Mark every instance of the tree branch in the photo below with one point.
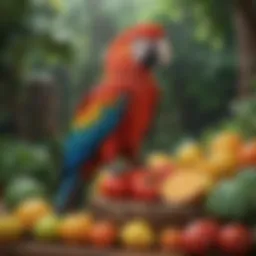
(245, 22)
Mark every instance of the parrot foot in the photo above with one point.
(123, 165)
(120, 166)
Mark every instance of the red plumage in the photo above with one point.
(123, 75)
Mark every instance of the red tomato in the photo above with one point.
(144, 187)
(235, 239)
(114, 186)
(170, 240)
(132, 175)
(200, 237)
(161, 173)
(247, 154)
(103, 234)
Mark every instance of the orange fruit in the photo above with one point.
(31, 211)
(103, 234)
(75, 228)
(226, 142)
(170, 239)
(10, 228)
(247, 154)
(223, 164)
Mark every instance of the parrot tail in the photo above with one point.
(69, 194)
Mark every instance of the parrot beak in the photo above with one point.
(150, 54)
(164, 49)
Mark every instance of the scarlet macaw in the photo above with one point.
(114, 118)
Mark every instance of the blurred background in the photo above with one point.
(51, 52)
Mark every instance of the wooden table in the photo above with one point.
(41, 249)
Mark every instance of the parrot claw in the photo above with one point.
(120, 166)
(123, 165)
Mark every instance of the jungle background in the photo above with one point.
(51, 53)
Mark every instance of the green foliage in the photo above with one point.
(23, 188)
(244, 116)
(19, 159)
(196, 88)
(27, 34)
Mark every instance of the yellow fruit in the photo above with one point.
(223, 164)
(207, 167)
(226, 142)
(158, 160)
(137, 235)
(10, 228)
(184, 188)
(31, 211)
(47, 228)
(189, 154)
(103, 174)
(76, 228)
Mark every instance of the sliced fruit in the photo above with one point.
(186, 188)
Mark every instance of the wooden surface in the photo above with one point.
(41, 249)
(158, 214)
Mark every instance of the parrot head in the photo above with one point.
(141, 47)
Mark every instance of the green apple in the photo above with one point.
(47, 228)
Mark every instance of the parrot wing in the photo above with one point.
(90, 128)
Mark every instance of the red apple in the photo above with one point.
(115, 187)
(235, 239)
(144, 187)
(200, 237)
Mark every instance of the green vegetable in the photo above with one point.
(248, 176)
(40, 166)
(29, 160)
(229, 200)
(247, 181)
(23, 188)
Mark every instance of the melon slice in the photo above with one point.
(185, 188)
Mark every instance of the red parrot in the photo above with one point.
(115, 117)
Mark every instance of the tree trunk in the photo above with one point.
(38, 113)
(245, 23)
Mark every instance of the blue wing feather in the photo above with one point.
(82, 144)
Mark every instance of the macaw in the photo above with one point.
(115, 117)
